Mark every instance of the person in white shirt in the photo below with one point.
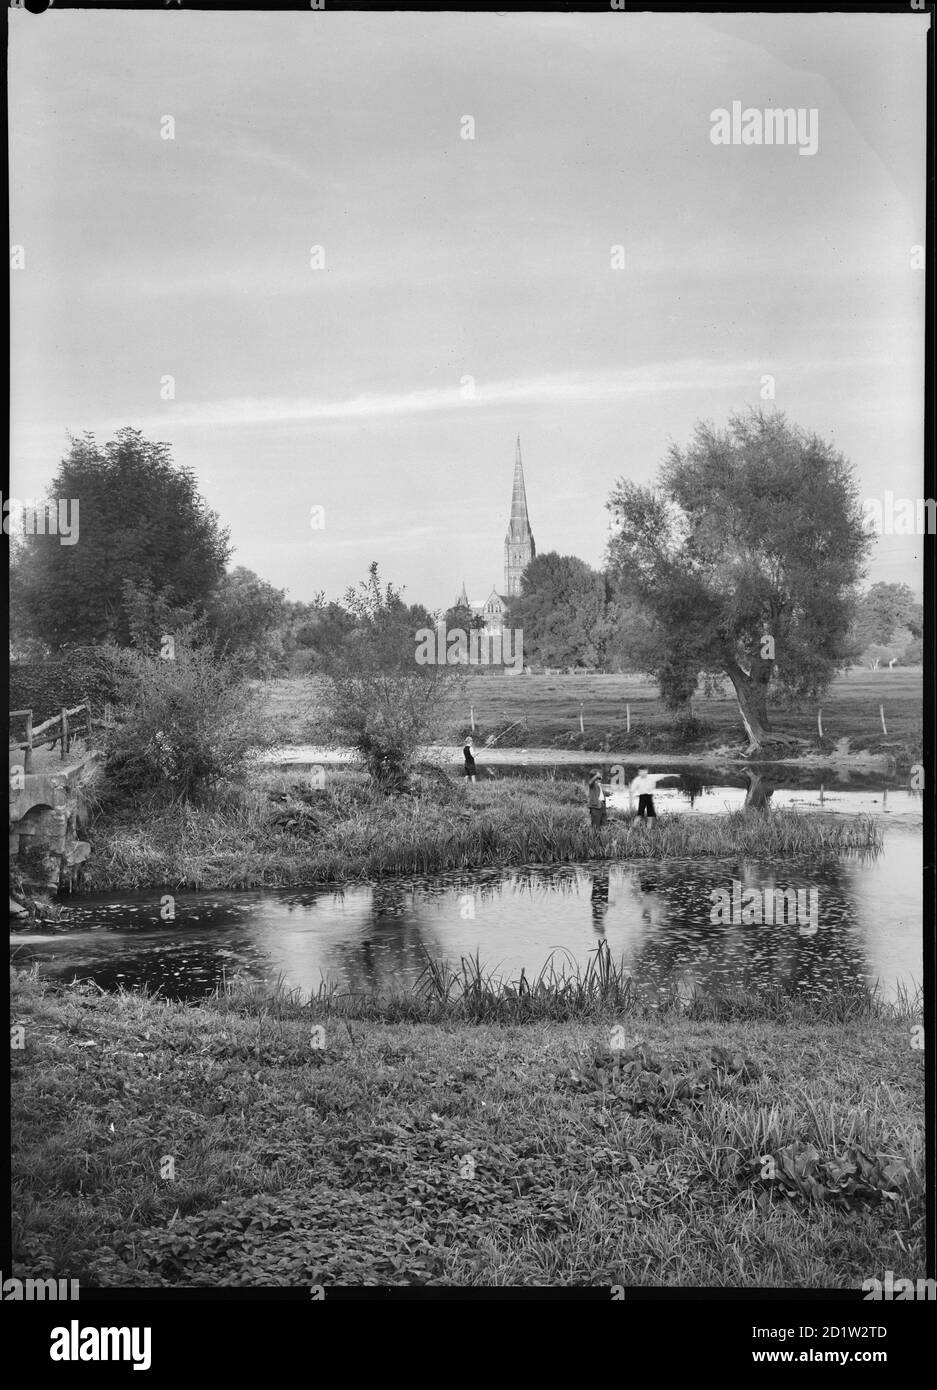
(642, 787)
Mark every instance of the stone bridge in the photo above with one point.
(47, 809)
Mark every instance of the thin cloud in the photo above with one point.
(605, 387)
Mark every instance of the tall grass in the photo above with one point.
(242, 838)
(563, 990)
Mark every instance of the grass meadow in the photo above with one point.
(539, 711)
(460, 1135)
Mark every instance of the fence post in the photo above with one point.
(628, 718)
(63, 750)
(820, 722)
(472, 714)
(582, 727)
(28, 752)
(881, 710)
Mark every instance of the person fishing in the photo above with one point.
(642, 787)
(469, 757)
(598, 813)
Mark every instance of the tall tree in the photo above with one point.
(248, 618)
(24, 644)
(883, 612)
(747, 555)
(319, 628)
(562, 611)
(461, 618)
(142, 526)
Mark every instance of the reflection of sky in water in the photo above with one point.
(654, 915)
(716, 801)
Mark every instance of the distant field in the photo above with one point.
(546, 711)
(551, 705)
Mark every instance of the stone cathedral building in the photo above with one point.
(519, 550)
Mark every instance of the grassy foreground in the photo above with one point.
(415, 1140)
(280, 832)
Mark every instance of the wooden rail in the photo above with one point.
(57, 728)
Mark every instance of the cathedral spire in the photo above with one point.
(520, 524)
(519, 548)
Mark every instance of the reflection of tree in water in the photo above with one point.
(404, 920)
(692, 786)
(686, 944)
(387, 946)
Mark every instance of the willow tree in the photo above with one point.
(746, 555)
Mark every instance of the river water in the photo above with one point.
(655, 916)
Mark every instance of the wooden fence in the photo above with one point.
(570, 671)
(59, 727)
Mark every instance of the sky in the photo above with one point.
(464, 292)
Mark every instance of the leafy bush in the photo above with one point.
(379, 698)
(184, 724)
(689, 729)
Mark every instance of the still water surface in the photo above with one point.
(654, 915)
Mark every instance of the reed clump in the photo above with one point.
(280, 832)
(564, 989)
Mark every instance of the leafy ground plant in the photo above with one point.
(312, 1147)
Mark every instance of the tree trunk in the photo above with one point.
(758, 794)
(751, 692)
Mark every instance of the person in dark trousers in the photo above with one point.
(643, 788)
(469, 760)
(597, 811)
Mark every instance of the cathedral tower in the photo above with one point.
(519, 548)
